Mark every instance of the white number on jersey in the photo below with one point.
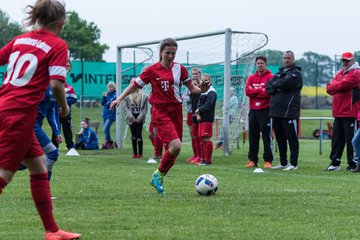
(13, 70)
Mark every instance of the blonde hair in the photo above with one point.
(111, 84)
(135, 96)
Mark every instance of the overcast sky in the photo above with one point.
(323, 26)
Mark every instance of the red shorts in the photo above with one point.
(195, 130)
(17, 138)
(205, 129)
(169, 122)
(189, 119)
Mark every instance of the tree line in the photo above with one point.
(83, 37)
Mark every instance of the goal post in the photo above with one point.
(228, 56)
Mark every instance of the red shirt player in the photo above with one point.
(166, 78)
(35, 60)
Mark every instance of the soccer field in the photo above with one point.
(106, 195)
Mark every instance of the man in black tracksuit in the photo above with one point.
(285, 88)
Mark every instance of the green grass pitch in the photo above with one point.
(106, 195)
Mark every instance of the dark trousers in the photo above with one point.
(67, 131)
(286, 131)
(343, 133)
(136, 137)
(259, 122)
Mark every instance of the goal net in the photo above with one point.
(208, 53)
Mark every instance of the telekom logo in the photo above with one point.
(165, 85)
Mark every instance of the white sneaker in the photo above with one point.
(333, 168)
(152, 160)
(290, 167)
(279, 166)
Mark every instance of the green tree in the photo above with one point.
(83, 39)
(8, 29)
(274, 57)
(316, 69)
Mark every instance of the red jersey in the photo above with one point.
(255, 90)
(165, 82)
(33, 60)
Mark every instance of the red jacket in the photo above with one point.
(341, 88)
(255, 90)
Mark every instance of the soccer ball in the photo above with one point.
(206, 185)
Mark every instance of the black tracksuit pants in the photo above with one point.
(343, 133)
(259, 122)
(67, 131)
(286, 131)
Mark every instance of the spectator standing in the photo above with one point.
(259, 121)
(234, 103)
(136, 107)
(109, 116)
(343, 110)
(188, 99)
(205, 115)
(285, 88)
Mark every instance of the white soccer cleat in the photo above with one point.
(290, 168)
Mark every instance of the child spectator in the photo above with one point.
(87, 137)
(136, 106)
(205, 115)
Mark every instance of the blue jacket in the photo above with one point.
(89, 139)
(105, 102)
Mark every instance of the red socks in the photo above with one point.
(40, 190)
(208, 149)
(158, 145)
(167, 161)
(194, 147)
(3, 184)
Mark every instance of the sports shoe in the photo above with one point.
(356, 169)
(152, 160)
(251, 164)
(190, 159)
(333, 168)
(203, 163)
(134, 156)
(61, 235)
(267, 164)
(157, 182)
(196, 160)
(290, 167)
(279, 166)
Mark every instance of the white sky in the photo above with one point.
(323, 26)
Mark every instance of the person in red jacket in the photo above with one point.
(259, 121)
(344, 111)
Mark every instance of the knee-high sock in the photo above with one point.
(158, 145)
(208, 151)
(198, 154)
(134, 145)
(140, 146)
(3, 184)
(193, 144)
(152, 141)
(202, 149)
(40, 190)
(167, 161)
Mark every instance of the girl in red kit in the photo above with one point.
(166, 78)
(35, 60)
